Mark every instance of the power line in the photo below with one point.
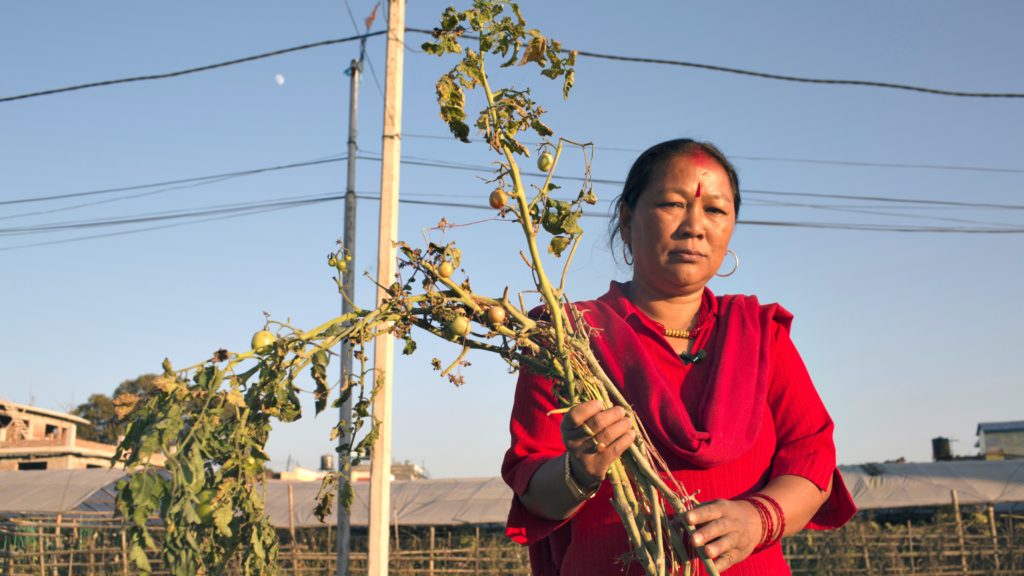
(118, 199)
(891, 199)
(259, 207)
(868, 83)
(160, 216)
(473, 168)
(885, 227)
(411, 160)
(191, 70)
(251, 212)
(202, 180)
(136, 230)
(863, 210)
(362, 48)
(817, 225)
(783, 159)
(597, 55)
(770, 76)
(884, 164)
(178, 181)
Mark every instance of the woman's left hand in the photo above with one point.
(729, 530)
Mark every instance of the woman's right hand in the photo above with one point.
(591, 456)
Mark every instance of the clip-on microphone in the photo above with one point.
(693, 358)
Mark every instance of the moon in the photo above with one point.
(279, 79)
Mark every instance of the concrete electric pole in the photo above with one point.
(384, 346)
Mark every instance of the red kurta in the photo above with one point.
(725, 426)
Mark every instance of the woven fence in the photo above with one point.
(979, 541)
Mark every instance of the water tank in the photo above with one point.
(940, 449)
(327, 462)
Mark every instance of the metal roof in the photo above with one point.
(53, 491)
(1017, 425)
(460, 501)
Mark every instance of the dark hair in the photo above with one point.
(654, 157)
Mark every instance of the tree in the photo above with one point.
(100, 411)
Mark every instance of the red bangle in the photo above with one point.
(767, 528)
(778, 512)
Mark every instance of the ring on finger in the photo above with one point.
(598, 445)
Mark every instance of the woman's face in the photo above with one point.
(679, 230)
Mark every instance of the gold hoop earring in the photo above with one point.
(734, 268)
(628, 261)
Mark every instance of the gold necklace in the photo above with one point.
(702, 317)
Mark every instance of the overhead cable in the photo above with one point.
(584, 53)
(258, 207)
(192, 70)
(868, 83)
(362, 48)
(773, 158)
(726, 69)
(171, 182)
(426, 162)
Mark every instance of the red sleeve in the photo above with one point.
(804, 434)
(536, 438)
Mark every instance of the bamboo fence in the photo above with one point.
(952, 541)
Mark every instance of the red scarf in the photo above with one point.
(732, 406)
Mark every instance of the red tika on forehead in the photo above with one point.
(702, 159)
(697, 195)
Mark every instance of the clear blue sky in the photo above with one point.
(908, 336)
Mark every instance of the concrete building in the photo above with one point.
(34, 438)
(999, 440)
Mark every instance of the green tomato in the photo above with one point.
(445, 270)
(204, 509)
(545, 161)
(459, 327)
(262, 339)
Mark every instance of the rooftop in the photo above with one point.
(11, 407)
(1014, 426)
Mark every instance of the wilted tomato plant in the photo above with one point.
(212, 420)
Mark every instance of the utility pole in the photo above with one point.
(348, 298)
(384, 345)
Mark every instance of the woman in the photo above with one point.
(716, 382)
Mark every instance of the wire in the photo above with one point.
(362, 48)
(770, 76)
(255, 208)
(178, 181)
(597, 55)
(901, 202)
(862, 210)
(191, 70)
(891, 199)
(254, 211)
(884, 227)
(159, 216)
(469, 167)
(884, 164)
(138, 230)
(118, 199)
(779, 158)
